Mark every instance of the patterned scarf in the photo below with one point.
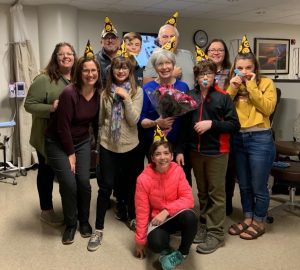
(117, 111)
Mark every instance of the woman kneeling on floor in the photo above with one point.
(163, 202)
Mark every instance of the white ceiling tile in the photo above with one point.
(280, 11)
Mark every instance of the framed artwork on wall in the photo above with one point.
(273, 55)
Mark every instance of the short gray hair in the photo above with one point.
(165, 26)
(161, 55)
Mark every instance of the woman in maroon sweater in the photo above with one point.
(68, 145)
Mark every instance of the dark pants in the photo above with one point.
(75, 189)
(185, 222)
(44, 181)
(210, 174)
(118, 171)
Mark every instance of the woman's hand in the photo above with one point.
(180, 159)
(54, 106)
(236, 82)
(140, 251)
(72, 160)
(160, 218)
(122, 92)
(177, 72)
(250, 76)
(202, 126)
(165, 123)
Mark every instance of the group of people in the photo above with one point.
(224, 139)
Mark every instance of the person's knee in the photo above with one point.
(157, 244)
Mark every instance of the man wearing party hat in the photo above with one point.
(253, 147)
(110, 43)
(206, 131)
(184, 59)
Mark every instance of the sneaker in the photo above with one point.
(166, 252)
(210, 245)
(95, 241)
(200, 236)
(68, 236)
(170, 261)
(132, 224)
(85, 230)
(49, 217)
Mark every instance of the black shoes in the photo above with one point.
(85, 230)
(121, 211)
(68, 236)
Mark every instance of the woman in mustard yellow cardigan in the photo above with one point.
(253, 146)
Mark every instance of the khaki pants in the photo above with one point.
(210, 172)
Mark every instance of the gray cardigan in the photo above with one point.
(129, 133)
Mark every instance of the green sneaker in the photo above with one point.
(200, 236)
(210, 245)
(170, 261)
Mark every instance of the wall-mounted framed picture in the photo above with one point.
(273, 55)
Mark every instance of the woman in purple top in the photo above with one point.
(68, 145)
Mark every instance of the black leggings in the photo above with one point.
(117, 171)
(45, 177)
(185, 222)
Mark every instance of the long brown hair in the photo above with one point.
(78, 73)
(52, 69)
(119, 62)
(247, 56)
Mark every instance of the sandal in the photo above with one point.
(253, 234)
(236, 229)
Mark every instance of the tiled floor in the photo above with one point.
(28, 244)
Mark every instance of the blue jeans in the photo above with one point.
(254, 154)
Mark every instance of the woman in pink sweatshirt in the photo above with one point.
(163, 202)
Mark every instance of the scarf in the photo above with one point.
(117, 111)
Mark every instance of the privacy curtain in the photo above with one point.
(23, 69)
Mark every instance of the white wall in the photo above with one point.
(90, 25)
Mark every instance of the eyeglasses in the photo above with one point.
(65, 54)
(121, 68)
(110, 38)
(208, 74)
(216, 50)
(88, 71)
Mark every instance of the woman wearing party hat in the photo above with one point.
(206, 133)
(68, 144)
(255, 98)
(158, 218)
(120, 107)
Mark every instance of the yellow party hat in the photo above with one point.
(88, 53)
(108, 28)
(245, 46)
(200, 55)
(170, 45)
(122, 50)
(159, 135)
(173, 20)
